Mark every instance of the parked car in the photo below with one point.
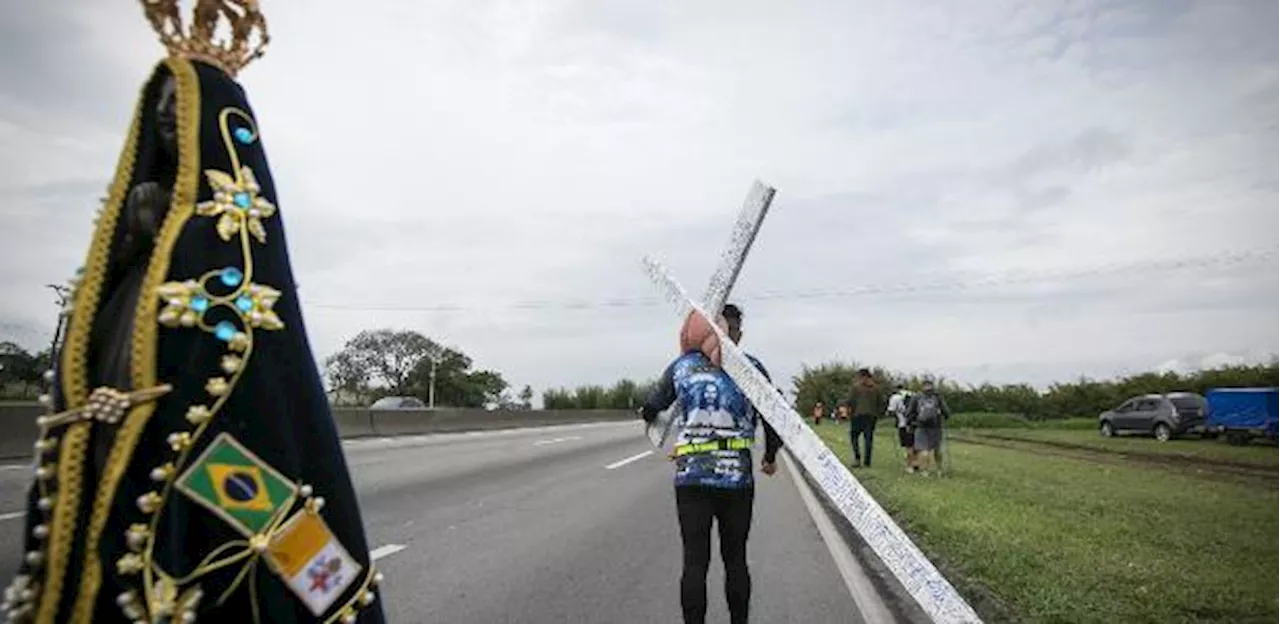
(1161, 415)
(1243, 413)
(395, 402)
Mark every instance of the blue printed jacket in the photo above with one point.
(712, 409)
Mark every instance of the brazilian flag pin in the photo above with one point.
(237, 485)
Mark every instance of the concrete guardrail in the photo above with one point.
(18, 427)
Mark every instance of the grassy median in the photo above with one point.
(1037, 537)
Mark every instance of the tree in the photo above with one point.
(386, 356)
(624, 394)
(388, 362)
(20, 369)
(526, 398)
(456, 384)
(348, 378)
(832, 383)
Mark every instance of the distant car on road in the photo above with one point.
(1161, 415)
(394, 403)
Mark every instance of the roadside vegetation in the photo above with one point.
(1032, 535)
(1082, 398)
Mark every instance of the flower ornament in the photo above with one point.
(257, 305)
(187, 302)
(237, 204)
(184, 301)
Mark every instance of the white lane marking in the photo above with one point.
(622, 462)
(13, 515)
(414, 439)
(864, 593)
(385, 551)
(556, 440)
(15, 467)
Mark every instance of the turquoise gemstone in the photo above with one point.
(232, 276)
(244, 303)
(244, 135)
(225, 331)
(199, 304)
(242, 200)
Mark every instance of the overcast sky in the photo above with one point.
(442, 164)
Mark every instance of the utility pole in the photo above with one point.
(435, 355)
(63, 295)
(431, 390)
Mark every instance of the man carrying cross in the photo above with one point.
(716, 430)
(935, 595)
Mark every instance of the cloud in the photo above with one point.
(1208, 361)
(466, 168)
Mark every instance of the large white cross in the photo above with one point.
(754, 209)
(916, 573)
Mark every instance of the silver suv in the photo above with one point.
(1162, 415)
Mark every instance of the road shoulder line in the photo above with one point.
(861, 589)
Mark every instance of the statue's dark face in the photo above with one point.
(167, 116)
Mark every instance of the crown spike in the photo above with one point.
(245, 29)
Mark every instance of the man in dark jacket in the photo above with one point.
(866, 403)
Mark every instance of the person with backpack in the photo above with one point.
(897, 410)
(925, 415)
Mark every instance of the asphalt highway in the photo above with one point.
(558, 524)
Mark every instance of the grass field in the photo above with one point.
(1036, 537)
(1190, 447)
(996, 420)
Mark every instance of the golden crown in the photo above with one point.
(243, 35)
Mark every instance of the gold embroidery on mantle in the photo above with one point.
(144, 334)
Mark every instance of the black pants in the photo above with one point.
(731, 509)
(864, 426)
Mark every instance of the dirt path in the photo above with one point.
(1214, 469)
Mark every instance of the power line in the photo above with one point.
(951, 283)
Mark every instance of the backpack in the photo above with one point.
(928, 410)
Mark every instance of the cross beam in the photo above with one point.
(931, 590)
(726, 274)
